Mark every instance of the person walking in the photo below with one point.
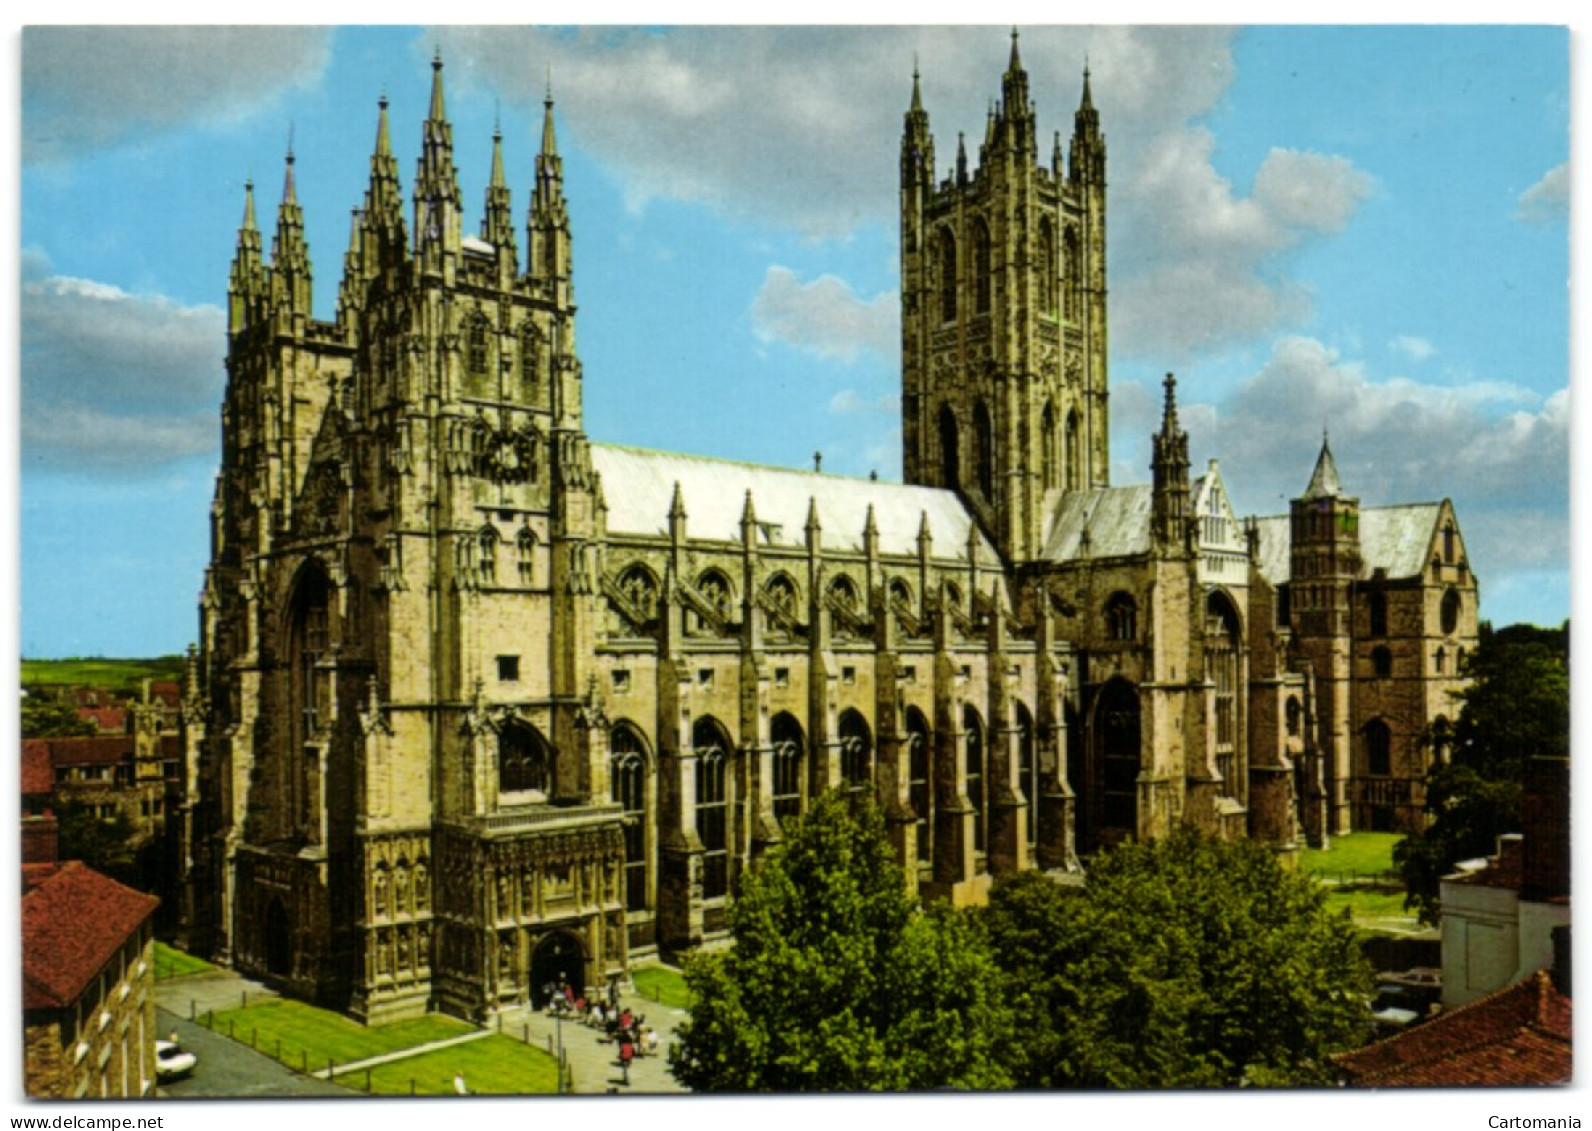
(627, 1053)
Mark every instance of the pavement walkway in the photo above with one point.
(400, 1054)
(593, 1059)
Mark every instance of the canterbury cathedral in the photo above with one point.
(480, 702)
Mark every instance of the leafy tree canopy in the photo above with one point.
(837, 981)
(45, 716)
(1185, 962)
(1516, 708)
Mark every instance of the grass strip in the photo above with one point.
(305, 1037)
(173, 963)
(662, 984)
(495, 1065)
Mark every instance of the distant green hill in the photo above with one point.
(121, 676)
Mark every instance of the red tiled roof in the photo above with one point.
(168, 691)
(110, 720)
(96, 749)
(73, 921)
(38, 773)
(1519, 1035)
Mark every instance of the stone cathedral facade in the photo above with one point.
(480, 702)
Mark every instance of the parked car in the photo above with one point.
(172, 1061)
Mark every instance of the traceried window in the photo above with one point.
(947, 277)
(525, 554)
(525, 760)
(1221, 660)
(789, 744)
(530, 358)
(920, 756)
(1028, 768)
(628, 783)
(1072, 279)
(1073, 456)
(856, 750)
(973, 754)
(1122, 617)
(1047, 268)
(1378, 749)
(1047, 446)
(712, 747)
(487, 539)
(984, 441)
(950, 458)
(982, 270)
(476, 344)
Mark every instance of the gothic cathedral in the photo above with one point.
(480, 703)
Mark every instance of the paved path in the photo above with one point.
(594, 1061)
(401, 1054)
(194, 994)
(230, 1070)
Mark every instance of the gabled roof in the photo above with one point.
(1324, 483)
(638, 487)
(73, 922)
(99, 749)
(1116, 518)
(1519, 1035)
(1394, 539)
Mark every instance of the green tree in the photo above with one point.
(1185, 962)
(45, 716)
(837, 981)
(1517, 707)
(103, 843)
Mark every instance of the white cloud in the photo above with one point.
(112, 379)
(1416, 349)
(91, 86)
(1499, 449)
(1548, 199)
(1309, 191)
(825, 317)
(848, 402)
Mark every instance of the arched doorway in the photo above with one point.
(1116, 793)
(558, 957)
(278, 939)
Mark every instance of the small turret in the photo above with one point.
(249, 286)
(1016, 126)
(497, 221)
(1088, 143)
(1169, 467)
(291, 273)
(917, 144)
(548, 255)
(438, 204)
(387, 240)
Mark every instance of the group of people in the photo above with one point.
(624, 1029)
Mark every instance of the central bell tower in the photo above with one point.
(1003, 315)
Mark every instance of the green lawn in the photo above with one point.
(173, 963)
(494, 1065)
(98, 671)
(1366, 853)
(662, 984)
(302, 1036)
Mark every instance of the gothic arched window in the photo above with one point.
(1122, 616)
(950, 462)
(856, 749)
(973, 753)
(712, 747)
(487, 540)
(1073, 456)
(984, 441)
(627, 773)
(983, 273)
(1221, 661)
(947, 277)
(789, 757)
(1378, 749)
(1450, 612)
(920, 759)
(529, 358)
(1072, 275)
(525, 554)
(1047, 268)
(1047, 446)
(525, 760)
(476, 344)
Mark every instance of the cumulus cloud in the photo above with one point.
(848, 402)
(112, 379)
(1197, 257)
(801, 126)
(93, 86)
(1416, 349)
(1501, 448)
(825, 317)
(1548, 199)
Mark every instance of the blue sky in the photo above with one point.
(1358, 228)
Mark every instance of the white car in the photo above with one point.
(172, 1061)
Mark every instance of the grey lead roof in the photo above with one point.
(638, 487)
(1392, 538)
(1117, 519)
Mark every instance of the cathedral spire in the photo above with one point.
(438, 204)
(248, 285)
(383, 212)
(1017, 117)
(1169, 468)
(548, 257)
(1324, 482)
(291, 274)
(917, 144)
(1088, 144)
(497, 222)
